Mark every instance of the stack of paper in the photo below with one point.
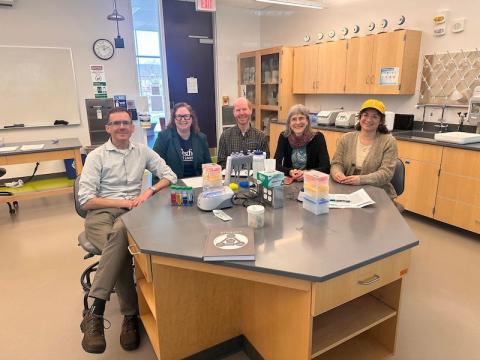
(357, 199)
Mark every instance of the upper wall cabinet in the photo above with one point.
(320, 69)
(376, 64)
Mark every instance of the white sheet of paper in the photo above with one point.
(32, 147)
(194, 182)
(357, 199)
(8, 148)
(192, 85)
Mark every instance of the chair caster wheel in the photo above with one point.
(15, 204)
(12, 211)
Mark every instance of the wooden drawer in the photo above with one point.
(332, 293)
(461, 162)
(143, 262)
(420, 152)
(458, 214)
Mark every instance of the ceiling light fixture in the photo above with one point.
(300, 3)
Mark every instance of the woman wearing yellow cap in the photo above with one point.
(367, 156)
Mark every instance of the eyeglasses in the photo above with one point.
(184, 117)
(119, 123)
(371, 116)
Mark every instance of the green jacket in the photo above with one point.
(168, 147)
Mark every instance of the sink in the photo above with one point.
(415, 134)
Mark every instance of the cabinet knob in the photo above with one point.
(407, 162)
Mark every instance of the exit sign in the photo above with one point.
(205, 5)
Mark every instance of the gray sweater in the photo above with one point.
(379, 165)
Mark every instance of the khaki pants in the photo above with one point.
(106, 231)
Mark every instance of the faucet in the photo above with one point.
(461, 120)
(442, 125)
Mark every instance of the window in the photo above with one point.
(146, 27)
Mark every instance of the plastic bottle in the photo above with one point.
(185, 196)
(173, 195)
(190, 195)
(179, 195)
(258, 163)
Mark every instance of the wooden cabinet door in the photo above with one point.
(275, 130)
(359, 65)
(331, 65)
(305, 69)
(458, 195)
(421, 180)
(388, 53)
(331, 138)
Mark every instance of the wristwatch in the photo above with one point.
(153, 189)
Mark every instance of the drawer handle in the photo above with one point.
(370, 280)
(129, 247)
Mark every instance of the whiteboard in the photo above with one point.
(37, 86)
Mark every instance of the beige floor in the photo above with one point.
(40, 295)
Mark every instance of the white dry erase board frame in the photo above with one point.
(37, 87)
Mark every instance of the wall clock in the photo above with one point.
(103, 49)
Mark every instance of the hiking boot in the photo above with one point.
(130, 335)
(93, 334)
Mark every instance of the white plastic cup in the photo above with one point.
(256, 216)
(269, 165)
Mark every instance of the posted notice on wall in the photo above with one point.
(99, 81)
(192, 85)
(389, 75)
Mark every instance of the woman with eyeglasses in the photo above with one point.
(181, 144)
(299, 148)
(367, 156)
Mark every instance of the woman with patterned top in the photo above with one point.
(299, 148)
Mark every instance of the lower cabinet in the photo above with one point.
(422, 166)
(275, 130)
(331, 138)
(458, 196)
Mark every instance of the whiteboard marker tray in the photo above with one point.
(458, 137)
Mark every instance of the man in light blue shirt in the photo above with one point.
(110, 185)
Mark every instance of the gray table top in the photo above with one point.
(49, 145)
(293, 243)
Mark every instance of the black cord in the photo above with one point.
(34, 172)
(246, 198)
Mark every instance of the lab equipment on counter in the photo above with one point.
(346, 119)
(258, 162)
(211, 176)
(389, 120)
(315, 197)
(327, 117)
(237, 162)
(272, 196)
(181, 195)
(219, 198)
(474, 108)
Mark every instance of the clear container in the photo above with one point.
(256, 216)
(315, 177)
(317, 207)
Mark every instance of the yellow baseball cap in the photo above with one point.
(373, 104)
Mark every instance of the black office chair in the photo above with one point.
(86, 245)
(12, 206)
(398, 181)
